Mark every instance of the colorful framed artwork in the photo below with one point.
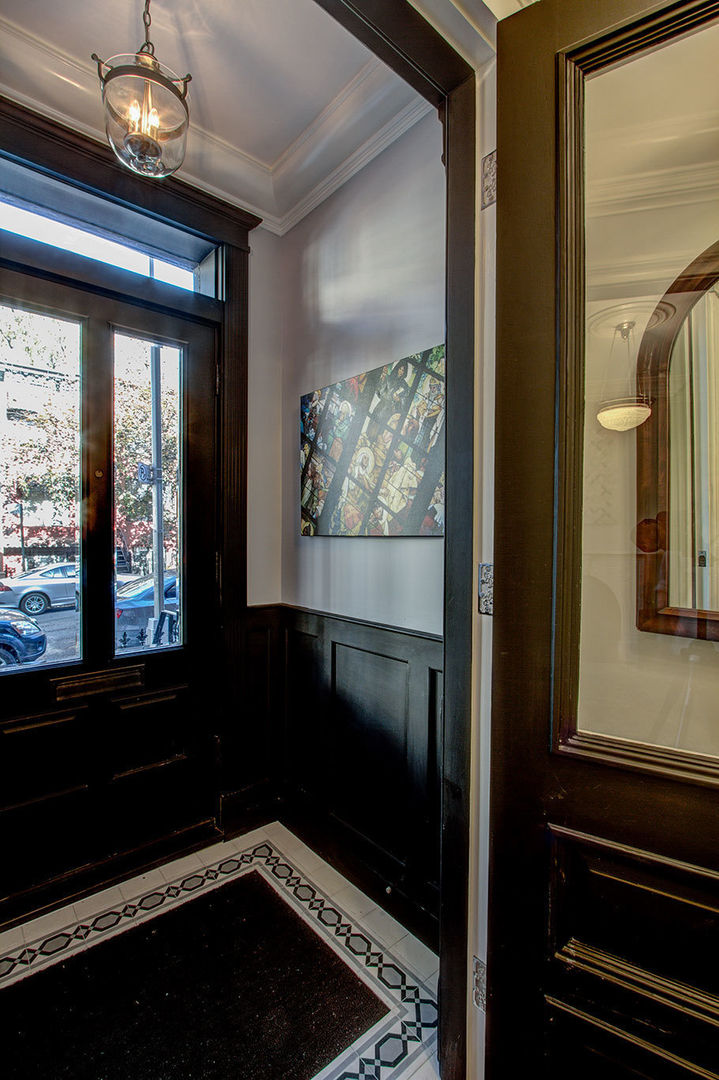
(372, 451)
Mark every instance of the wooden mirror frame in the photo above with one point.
(654, 612)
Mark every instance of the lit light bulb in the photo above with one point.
(154, 122)
(135, 114)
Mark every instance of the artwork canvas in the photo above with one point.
(372, 451)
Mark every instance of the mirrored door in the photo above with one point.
(604, 887)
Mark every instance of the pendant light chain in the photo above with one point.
(148, 47)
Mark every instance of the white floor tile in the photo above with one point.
(427, 1070)
(306, 860)
(281, 835)
(46, 925)
(329, 880)
(416, 956)
(215, 852)
(142, 884)
(100, 901)
(384, 927)
(181, 868)
(354, 902)
(10, 940)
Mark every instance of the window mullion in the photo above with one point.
(97, 533)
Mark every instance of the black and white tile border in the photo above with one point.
(395, 1045)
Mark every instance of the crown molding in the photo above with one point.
(375, 108)
(644, 275)
(392, 131)
(660, 189)
(334, 113)
(368, 114)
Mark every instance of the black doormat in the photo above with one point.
(233, 985)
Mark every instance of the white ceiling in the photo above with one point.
(285, 104)
(652, 165)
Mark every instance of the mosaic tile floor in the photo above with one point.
(398, 967)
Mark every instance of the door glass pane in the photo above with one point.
(649, 646)
(39, 489)
(148, 495)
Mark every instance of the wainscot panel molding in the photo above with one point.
(116, 782)
(347, 718)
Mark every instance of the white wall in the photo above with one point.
(362, 285)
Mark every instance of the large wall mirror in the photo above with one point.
(638, 563)
(678, 458)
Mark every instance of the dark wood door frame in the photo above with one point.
(399, 36)
(48, 148)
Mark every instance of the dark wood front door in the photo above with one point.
(604, 908)
(107, 738)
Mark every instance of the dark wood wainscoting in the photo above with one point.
(348, 717)
(338, 735)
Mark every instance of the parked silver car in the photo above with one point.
(38, 590)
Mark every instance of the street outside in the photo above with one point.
(62, 628)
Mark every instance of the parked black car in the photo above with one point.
(21, 639)
(135, 605)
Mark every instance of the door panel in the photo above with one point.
(604, 869)
(115, 749)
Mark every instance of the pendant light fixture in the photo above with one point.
(146, 114)
(623, 414)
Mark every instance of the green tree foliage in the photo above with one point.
(40, 426)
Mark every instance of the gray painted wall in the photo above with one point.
(357, 284)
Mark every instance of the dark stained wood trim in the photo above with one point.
(570, 434)
(28, 137)
(654, 612)
(100, 875)
(459, 604)
(348, 619)
(660, 760)
(88, 683)
(661, 1056)
(674, 994)
(34, 257)
(232, 408)
(646, 33)
(397, 34)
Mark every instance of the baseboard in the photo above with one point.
(249, 807)
(371, 870)
(40, 899)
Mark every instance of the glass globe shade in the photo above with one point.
(146, 114)
(624, 414)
